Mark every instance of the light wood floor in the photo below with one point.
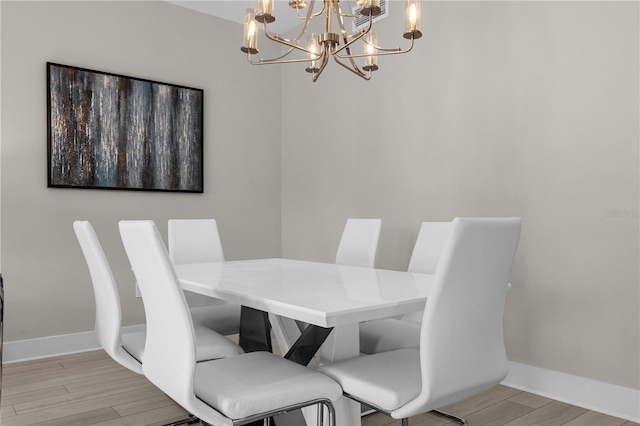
(91, 389)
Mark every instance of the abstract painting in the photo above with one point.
(108, 131)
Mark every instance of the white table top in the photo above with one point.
(324, 294)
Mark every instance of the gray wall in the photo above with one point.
(47, 282)
(523, 109)
(505, 108)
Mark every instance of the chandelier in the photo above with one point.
(335, 41)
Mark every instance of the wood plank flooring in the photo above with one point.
(91, 389)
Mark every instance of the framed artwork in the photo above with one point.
(109, 131)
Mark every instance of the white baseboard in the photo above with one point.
(591, 394)
(46, 347)
(597, 396)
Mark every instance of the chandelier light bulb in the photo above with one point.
(370, 50)
(265, 11)
(250, 40)
(370, 7)
(314, 53)
(412, 21)
(412, 17)
(265, 6)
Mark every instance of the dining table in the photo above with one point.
(313, 308)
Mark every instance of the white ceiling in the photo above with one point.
(233, 10)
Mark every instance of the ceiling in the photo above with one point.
(233, 10)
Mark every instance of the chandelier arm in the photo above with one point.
(392, 51)
(278, 39)
(278, 60)
(396, 50)
(325, 61)
(262, 61)
(328, 14)
(307, 19)
(345, 36)
(314, 15)
(349, 43)
(354, 66)
(355, 70)
(351, 15)
(336, 9)
(382, 52)
(291, 44)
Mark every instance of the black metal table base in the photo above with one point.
(255, 330)
(255, 335)
(305, 348)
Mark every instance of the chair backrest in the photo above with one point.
(428, 248)
(194, 241)
(461, 343)
(105, 290)
(359, 243)
(169, 354)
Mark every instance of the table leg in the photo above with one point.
(305, 348)
(285, 330)
(255, 333)
(298, 346)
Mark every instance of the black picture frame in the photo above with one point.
(110, 131)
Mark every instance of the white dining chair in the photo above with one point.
(359, 243)
(461, 349)
(404, 332)
(198, 241)
(427, 250)
(128, 348)
(225, 392)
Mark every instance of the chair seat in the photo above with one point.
(259, 382)
(388, 335)
(386, 380)
(209, 344)
(223, 317)
(133, 343)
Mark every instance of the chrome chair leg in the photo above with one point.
(405, 421)
(460, 420)
(320, 420)
(188, 421)
(332, 413)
